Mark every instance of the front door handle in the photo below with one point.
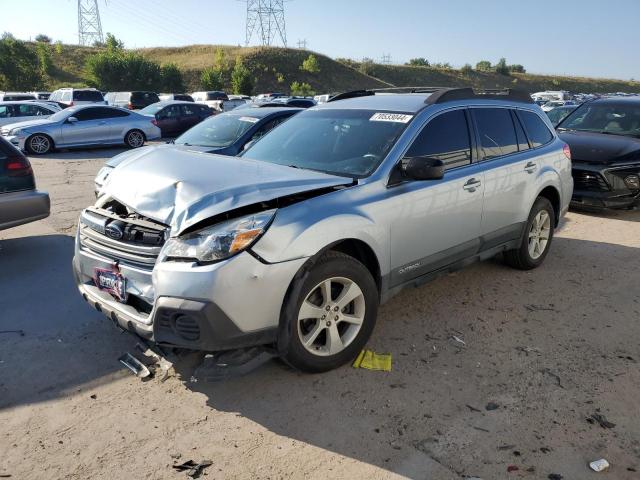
(471, 185)
(530, 167)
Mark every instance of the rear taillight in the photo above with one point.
(18, 167)
(567, 151)
(130, 106)
(71, 104)
(155, 122)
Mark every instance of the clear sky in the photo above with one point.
(573, 37)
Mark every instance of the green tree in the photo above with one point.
(220, 59)
(280, 77)
(501, 67)
(121, 70)
(43, 52)
(517, 68)
(466, 69)
(58, 48)
(19, 69)
(171, 78)
(366, 66)
(310, 64)
(302, 89)
(43, 38)
(113, 44)
(241, 79)
(212, 79)
(484, 66)
(418, 62)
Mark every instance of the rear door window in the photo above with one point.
(496, 131)
(112, 113)
(5, 111)
(523, 144)
(446, 137)
(536, 129)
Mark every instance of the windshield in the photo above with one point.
(341, 142)
(557, 114)
(217, 132)
(87, 96)
(151, 109)
(612, 118)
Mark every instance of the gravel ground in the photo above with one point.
(544, 351)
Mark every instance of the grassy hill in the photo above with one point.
(276, 68)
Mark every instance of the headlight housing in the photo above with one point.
(219, 241)
(15, 131)
(103, 174)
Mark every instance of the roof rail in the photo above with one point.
(444, 94)
(451, 94)
(352, 94)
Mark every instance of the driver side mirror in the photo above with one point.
(422, 168)
(72, 119)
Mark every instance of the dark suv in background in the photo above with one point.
(604, 136)
(131, 100)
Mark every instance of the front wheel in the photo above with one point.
(330, 318)
(39, 144)
(134, 139)
(537, 237)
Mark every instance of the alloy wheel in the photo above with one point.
(331, 316)
(39, 144)
(539, 234)
(135, 139)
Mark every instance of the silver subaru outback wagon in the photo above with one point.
(296, 242)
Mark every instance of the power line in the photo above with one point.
(267, 17)
(89, 26)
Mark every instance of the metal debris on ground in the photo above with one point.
(601, 419)
(233, 363)
(458, 339)
(373, 361)
(164, 365)
(599, 465)
(192, 468)
(133, 364)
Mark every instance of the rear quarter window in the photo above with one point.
(537, 131)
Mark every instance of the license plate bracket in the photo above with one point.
(111, 281)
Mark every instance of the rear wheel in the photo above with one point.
(537, 237)
(134, 139)
(330, 318)
(39, 144)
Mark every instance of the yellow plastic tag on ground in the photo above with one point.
(373, 361)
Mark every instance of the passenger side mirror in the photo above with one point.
(422, 168)
(72, 119)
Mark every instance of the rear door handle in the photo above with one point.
(530, 167)
(471, 185)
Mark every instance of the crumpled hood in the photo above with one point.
(181, 188)
(602, 148)
(118, 159)
(28, 123)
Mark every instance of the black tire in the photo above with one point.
(520, 257)
(38, 137)
(332, 264)
(134, 138)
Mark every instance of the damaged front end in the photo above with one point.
(181, 274)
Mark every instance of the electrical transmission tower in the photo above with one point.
(89, 26)
(266, 16)
(386, 58)
(302, 44)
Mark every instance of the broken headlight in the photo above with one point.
(219, 241)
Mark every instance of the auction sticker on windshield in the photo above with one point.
(391, 117)
(248, 119)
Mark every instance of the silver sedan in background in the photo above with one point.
(86, 125)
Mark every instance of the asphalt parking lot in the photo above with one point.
(549, 348)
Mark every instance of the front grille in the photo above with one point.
(590, 181)
(128, 241)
